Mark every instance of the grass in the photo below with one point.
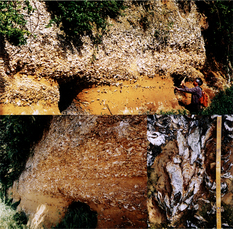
(10, 219)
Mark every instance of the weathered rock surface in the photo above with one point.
(182, 170)
(151, 40)
(100, 161)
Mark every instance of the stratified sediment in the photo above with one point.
(100, 161)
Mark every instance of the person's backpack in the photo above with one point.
(204, 99)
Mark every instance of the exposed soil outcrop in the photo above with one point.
(132, 70)
(100, 161)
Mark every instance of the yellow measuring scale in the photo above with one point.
(218, 171)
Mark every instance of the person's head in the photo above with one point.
(198, 82)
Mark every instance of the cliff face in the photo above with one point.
(142, 56)
(182, 171)
(100, 161)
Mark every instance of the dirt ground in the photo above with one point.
(35, 109)
(144, 96)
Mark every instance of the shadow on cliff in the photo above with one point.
(79, 215)
(69, 91)
(19, 135)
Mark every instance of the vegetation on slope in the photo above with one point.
(11, 219)
(80, 17)
(17, 136)
(221, 104)
(76, 18)
(219, 35)
(13, 22)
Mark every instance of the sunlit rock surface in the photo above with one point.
(144, 54)
(97, 160)
(182, 171)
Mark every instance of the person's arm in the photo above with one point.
(188, 90)
(181, 89)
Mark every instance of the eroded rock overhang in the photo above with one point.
(133, 62)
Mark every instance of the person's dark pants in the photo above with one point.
(193, 108)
